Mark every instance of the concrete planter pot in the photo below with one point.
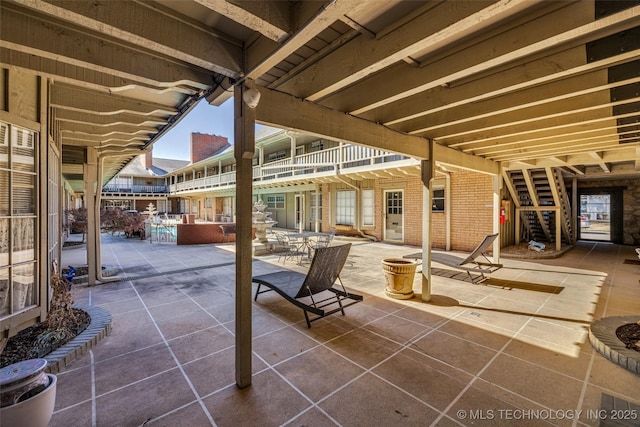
(399, 274)
(34, 411)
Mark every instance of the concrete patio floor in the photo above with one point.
(511, 351)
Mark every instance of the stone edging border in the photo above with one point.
(602, 335)
(99, 327)
(107, 271)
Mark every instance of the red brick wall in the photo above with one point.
(470, 204)
(471, 200)
(204, 145)
(148, 159)
(471, 209)
(197, 234)
(412, 194)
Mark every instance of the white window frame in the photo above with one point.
(316, 206)
(437, 200)
(345, 207)
(368, 208)
(18, 221)
(276, 201)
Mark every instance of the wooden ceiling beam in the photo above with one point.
(330, 12)
(72, 98)
(569, 117)
(143, 25)
(272, 19)
(562, 94)
(433, 29)
(288, 112)
(571, 26)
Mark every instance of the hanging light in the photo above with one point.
(251, 97)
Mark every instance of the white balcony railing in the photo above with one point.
(134, 189)
(331, 161)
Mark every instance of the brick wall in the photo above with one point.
(148, 159)
(198, 234)
(471, 205)
(413, 199)
(471, 209)
(204, 145)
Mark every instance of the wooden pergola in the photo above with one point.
(478, 85)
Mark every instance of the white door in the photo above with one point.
(394, 220)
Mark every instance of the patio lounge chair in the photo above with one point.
(315, 291)
(470, 264)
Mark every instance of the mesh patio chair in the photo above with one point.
(314, 292)
(470, 264)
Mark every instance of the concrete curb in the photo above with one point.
(99, 328)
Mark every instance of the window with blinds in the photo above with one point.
(368, 208)
(18, 289)
(345, 207)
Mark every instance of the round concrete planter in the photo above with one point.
(399, 274)
(36, 411)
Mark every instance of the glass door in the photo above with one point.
(394, 220)
(595, 217)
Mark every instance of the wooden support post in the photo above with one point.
(428, 171)
(244, 147)
(90, 183)
(496, 181)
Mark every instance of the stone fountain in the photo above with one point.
(261, 222)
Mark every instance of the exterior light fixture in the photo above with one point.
(251, 97)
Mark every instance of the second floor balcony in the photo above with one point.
(134, 189)
(343, 160)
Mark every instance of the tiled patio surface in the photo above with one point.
(511, 351)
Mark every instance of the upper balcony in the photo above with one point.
(133, 189)
(345, 160)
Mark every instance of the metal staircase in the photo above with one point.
(544, 192)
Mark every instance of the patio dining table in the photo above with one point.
(305, 240)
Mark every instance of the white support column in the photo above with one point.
(574, 210)
(496, 181)
(244, 150)
(558, 229)
(447, 210)
(318, 200)
(292, 140)
(90, 174)
(428, 171)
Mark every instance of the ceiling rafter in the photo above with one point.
(158, 32)
(331, 12)
(271, 19)
(447, 23)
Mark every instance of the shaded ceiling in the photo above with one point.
(528, 84)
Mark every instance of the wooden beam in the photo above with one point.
(481, 59)
(97, 65)
(449, 156)
(433, 29)
(146, 26)
(562, 94)
(554, 67)
(271, 19)
(244, 131)
(72, 98)
(108, 122)
(282, 110)
(329, 13)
